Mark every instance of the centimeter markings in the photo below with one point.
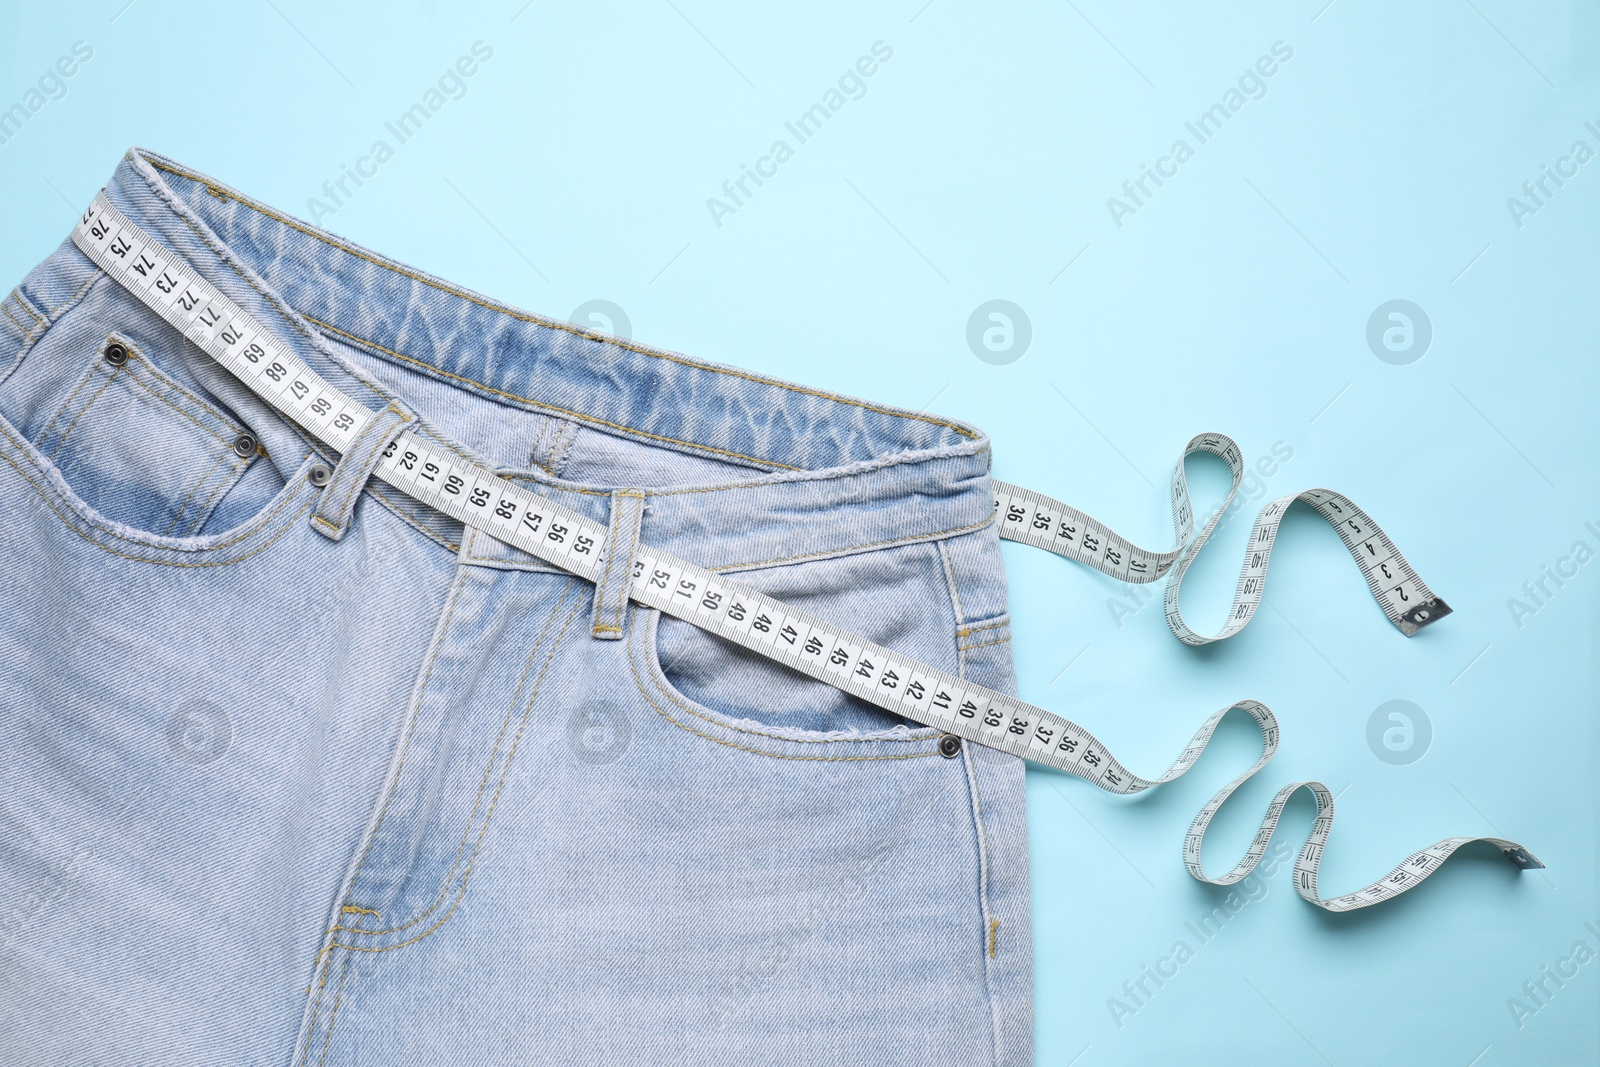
(729, 609)
(1045, 523)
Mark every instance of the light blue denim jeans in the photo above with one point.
(294, 774)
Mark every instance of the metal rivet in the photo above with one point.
(245, 445)
(319, 475)
(949, 746)
(116, 354)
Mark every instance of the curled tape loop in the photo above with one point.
(1035, 519)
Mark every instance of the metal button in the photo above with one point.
(949, 746)
(245, 445)
(116, 354)
(319, 475)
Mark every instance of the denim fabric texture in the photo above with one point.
(309, 775)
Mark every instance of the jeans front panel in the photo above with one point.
(624, 872)
(192, 731)
(267, 797)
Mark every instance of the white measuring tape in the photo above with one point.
(797, 639)
(1049, 524)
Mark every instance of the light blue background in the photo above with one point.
(978, 166)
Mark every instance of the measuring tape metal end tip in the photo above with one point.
(1423, 615)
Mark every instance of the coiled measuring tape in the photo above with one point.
(1038, 520)
(733, 611)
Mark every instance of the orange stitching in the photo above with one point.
(134, 378)
(554, 324)
(17, 299)
(665, 688)
(172, 383)
(516, 742)
(985, 644)
(516, 702)
(201, 481)
(968, 631)
(260, 523)
(327, 1036)
(89, 374)
(994, 936)
(83, 411)
(27, 335)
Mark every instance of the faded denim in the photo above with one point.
(290, 778)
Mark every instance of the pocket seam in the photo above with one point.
(83, 410)
(986, 644)
(137, 352)
(79, 514)
(183, 505)
(224, 483)
(22, 301)
(66, 405)
(138, 368)
(165, 380)
(27, 334)
(645, 645)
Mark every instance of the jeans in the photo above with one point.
(295, 770)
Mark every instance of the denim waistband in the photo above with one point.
(885, 474)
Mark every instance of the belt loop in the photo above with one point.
(338, 501)
(609, 619)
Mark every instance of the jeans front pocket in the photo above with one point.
(896, 597)
(141, 449)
